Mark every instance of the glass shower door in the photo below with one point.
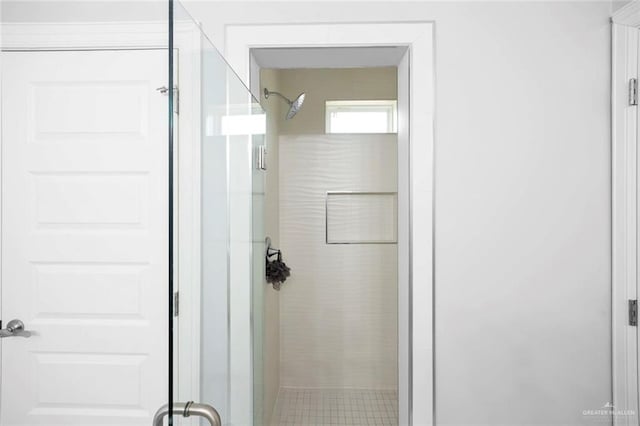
(218, 231)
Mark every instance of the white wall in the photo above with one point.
(338, 311)
(83, 11)
(522, 199)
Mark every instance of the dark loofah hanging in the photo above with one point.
(277, 271)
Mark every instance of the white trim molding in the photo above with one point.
(416, 168)
(625, 44)
(78, 36)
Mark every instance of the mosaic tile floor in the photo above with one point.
(328, 407)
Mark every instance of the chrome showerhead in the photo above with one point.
(294, 106)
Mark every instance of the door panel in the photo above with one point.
(84, 240)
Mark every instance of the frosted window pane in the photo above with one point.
(360, 116)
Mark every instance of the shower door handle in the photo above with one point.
(188, 409)
(261, 158)
(15, 328)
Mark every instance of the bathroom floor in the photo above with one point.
(349, 407)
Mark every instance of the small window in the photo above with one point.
(361, 116)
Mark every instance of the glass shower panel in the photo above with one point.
(220, 235)
(85, 212)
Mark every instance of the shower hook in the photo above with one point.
(270, 250)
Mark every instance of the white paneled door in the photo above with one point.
(84, 237)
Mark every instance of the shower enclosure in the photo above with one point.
(132, 234)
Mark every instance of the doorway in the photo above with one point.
(416, 98)
(330, 329)
(347, 81)
(625, 189)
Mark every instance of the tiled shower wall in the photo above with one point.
(271, 320)
(338, 310)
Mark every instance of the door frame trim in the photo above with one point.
(624, 214)
(416, 358)
(79, 36)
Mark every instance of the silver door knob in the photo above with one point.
(14, 328)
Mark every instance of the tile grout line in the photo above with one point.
(349, 407)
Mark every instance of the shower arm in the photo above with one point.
(267, 93)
